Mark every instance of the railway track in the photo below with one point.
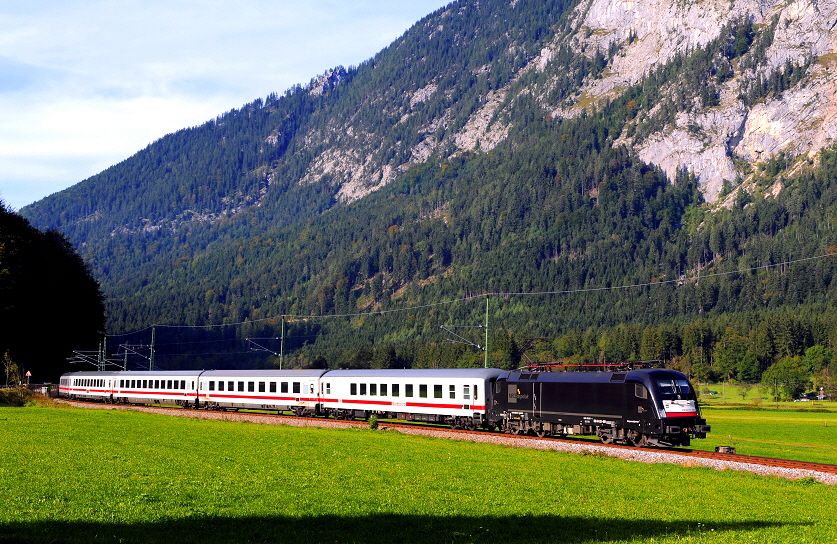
(786, 468)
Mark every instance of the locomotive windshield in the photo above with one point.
(674, 389)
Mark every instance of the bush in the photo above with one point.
(373, 422)
(16, 396)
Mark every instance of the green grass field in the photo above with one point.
(76, 475)
(724, 395)
(802, 436)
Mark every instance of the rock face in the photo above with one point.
(800, 121)
(712, 141)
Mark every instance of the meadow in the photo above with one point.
(802, 436)
(76, 475)
(744, 416)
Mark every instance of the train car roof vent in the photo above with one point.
(617, 377)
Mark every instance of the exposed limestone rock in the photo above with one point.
(706, 141)
(327, 81)
(802, 120)
(478, 132)
(422, 94)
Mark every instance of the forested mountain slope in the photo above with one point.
(497, 147)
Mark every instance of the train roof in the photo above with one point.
(272, 373)
(89, 374)
(640, 375)
(425, 373)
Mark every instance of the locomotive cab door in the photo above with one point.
(640, 406)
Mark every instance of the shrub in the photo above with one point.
(15, 396)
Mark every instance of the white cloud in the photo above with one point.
(85, 84)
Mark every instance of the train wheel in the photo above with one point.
(605, 437)
(636, 438)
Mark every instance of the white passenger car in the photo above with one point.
(156, 387)
(295, 390)
(87, 385)
(455, 396)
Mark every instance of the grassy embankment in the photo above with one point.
(74, 475)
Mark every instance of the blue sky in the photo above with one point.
(85, 84)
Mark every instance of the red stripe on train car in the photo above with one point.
(362, 401)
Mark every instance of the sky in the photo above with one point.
(85, 84)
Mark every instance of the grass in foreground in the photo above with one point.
(76, 475)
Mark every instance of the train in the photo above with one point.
(640, 407)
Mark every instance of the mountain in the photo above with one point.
(518, 146)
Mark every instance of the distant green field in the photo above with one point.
(802, 436)
(76, 475)
(756, 396)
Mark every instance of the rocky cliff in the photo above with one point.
(718, 142)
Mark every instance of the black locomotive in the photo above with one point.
(646, 407)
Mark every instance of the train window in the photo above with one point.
(373, 390)
(272, 387)
(311, 388)
(674, 389)
(156, 384)
(423, 390)
(230, 386)
(168, 385)
(452, 389)
(466, 392)
(133, 384)
(475, 392)
(408, 390)
(182, 384)
(145, 384)
(383, 390)
(261, 387)
(211, 385)
(363, 389)
(296, 387)
(396, 390)
(241, 386)
(174, 385)
(353, 389)
(251, 387)
(328, 389)
(221, 385)
(437, 391)
(640, 391)
(284, 387)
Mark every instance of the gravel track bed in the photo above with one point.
(489, 438)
